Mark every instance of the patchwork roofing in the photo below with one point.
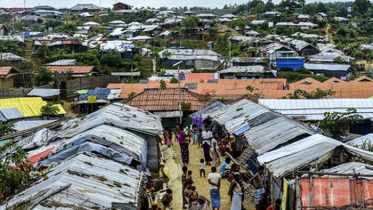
(167, 100)
(81, 176)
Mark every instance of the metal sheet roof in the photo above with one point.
(93, 184)
(314, 109)
(315, 149)
(348, 168)
(44, 92)
(265, 137)
(169, 114)
(243, 69)
(10, 114)
(63, 62)
(327, 67)
(217, 105)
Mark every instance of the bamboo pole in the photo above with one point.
(298, 202)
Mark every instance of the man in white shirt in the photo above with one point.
(214, 148)
(214, 181)
(206, 142)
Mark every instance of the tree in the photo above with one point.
(318, 94)
(338, 123)
(338, 59)
(37, 27)
(131, 94)
(6, 129)
(190, 22)
(15, 170)
(163, 84)
(44, 77)
(361, 6)
(49, 109)
(43, 51)
(174, 80)
(69, 28)
(8, 46)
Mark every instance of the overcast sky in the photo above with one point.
(136, 3)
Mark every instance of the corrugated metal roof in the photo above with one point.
(11, 57)
(93, 184)
(243, 69)
(44, 92)
(85, 6)
(314, 109)
(198, 76)
(217, 105)
(350, 168)
(265, 137)
(10, 114)
(169, 114)
(63, 62)
(74, 69)
(327, 67)
(315, 149)
(5, 70)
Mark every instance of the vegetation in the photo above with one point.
(49, 109)
(318, 94)
(10, 47)
(294, 76)
(6, 129)
(131, 94)
(162, 84)
(186, 105)
(15, 170)
(174, 80)
(44, 77)
(339, 123)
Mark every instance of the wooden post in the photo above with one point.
(326, 197)
(271, 187)
(298, 200)
(311, 189)
(356, 196)
(362, 194)
(350, 191)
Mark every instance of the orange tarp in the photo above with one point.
(36, 158)
(336, 192)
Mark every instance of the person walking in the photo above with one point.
(184, 144)
(166, 137)
(199, 138)
(258, 182)
(214, 181)
(194, 134)
(214, 151)
(235, 191)
(206, 141)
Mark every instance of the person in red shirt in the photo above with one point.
(276, 205)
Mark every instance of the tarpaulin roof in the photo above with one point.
(44, 92)
(121, 116)
(95, 183)
(336, 192)
(315, 149)
(27, 124)
(81, 91)
(276, 132)
(122, 140)
(100, 92)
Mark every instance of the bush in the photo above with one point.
(174, 80)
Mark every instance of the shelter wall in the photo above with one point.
(7, 83)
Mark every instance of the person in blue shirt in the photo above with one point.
(223, 165)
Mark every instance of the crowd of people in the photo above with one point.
(214, 148)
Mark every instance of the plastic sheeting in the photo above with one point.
(88, 147)
(92, 184)
(267, 136)
(27, 124)
(359, 142)
(217, 105)
(120, 140)
(309, 151)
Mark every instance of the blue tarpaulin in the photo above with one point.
(241, 130)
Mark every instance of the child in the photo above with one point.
(194, 134)
(189, 176)
(202, 169)
(149, 185)
(193, 198)
(199, 138)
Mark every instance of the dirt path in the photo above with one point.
(202, 186)
(327, 31)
